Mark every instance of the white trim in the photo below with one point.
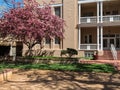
(101, 11)
(98, 37)
(101, 31)
(79, 38)
(98, 11)
(52, 5)
(79, 31)
(91, 1)
(56, 5)
(79, 16)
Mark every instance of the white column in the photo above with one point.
(98, 12)
(101, 11)
(101, 31)
(11, 48)
(79, 14)
(79, 31)
(101, 27)
(98, 37)
(79, 38)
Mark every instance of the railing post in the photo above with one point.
(111, 19)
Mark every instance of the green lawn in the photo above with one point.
(63, 67)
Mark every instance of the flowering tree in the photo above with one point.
(31, 24)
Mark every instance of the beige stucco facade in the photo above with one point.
(81, 18)
(87, 23)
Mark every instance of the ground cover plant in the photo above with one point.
(62, 67)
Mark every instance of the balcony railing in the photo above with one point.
(88, 46)
(93, 19)
(111, 18)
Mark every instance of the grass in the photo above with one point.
(63, 67)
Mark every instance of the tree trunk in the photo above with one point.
(30, 51)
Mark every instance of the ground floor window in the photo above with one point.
(89, 53)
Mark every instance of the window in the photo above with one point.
(58, 11)
(89, 53)
(47, 40)
(88, 39)
(57, 40)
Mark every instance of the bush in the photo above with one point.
(70, 52)
(63, 52)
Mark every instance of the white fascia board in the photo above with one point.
(90, 1)
(56, 5)
(52, 5)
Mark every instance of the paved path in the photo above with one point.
(59, 80)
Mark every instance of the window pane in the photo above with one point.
(85, 39)
(58, 11)
(48, 40)
(90, 38)
(57, 40)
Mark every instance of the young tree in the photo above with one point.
(31, 24)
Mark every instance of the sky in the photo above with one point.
(6, 6)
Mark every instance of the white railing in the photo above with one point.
(111, 18)
(114, 52)
(88, 46)
(92, 19)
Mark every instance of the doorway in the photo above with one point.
(4, 50)
(108, 41)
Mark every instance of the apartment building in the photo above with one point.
(91, 26)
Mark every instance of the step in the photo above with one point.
(107, 55)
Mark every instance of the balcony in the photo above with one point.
(92, 19)
(88, 46)
(108, 18)
(111, 18)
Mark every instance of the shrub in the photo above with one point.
(63, 52)
(70, 52)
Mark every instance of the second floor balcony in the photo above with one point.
(107, 18)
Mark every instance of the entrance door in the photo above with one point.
(107, 42)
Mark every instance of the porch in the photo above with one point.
(106, 19)
(96, 38)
